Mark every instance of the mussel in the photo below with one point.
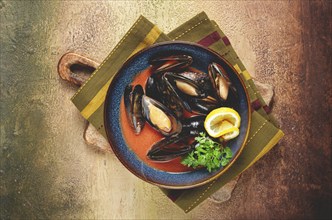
(200, 78)
(182, 89)
(175, 146)
(184, 85)
(160, 117)
(133, 106)
(193, 126)
(154, 87)
(171, 63)
(203, 105)
(220, 81)
(169, 148)
(157, 89)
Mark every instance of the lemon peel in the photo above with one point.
(223, 122)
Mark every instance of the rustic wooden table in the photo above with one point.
(48, 171)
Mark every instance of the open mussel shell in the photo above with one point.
(133, 106)
(171, 63)
(169, 148)
(220, 81)
(182, 89)
(156, 88)
(200, 78)
(184, 85)
(160, 117)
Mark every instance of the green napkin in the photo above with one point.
(263, 134)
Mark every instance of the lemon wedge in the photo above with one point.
(222, 122)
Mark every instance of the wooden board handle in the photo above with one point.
(76, 68)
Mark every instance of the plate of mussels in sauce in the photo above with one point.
(177, 115)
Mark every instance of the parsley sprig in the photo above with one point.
(207, 153)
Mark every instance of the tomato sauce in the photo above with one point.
(142, 142)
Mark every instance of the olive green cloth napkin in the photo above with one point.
(263, 134)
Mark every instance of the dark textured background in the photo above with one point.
(47, 171)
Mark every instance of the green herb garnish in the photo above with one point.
(208, 153)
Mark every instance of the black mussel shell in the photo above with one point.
(169, 148)
(193, 126)
(200, 78)
(220, 81)
(184, 85)
(160, 117)
(157, 89)
(203, 106)
(176, 85)
(133, 106)
(171, 63)
(154, 87)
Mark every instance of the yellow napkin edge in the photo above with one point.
(268, 147)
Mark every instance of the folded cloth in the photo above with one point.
(264, 132)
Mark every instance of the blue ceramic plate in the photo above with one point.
(202, 57)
